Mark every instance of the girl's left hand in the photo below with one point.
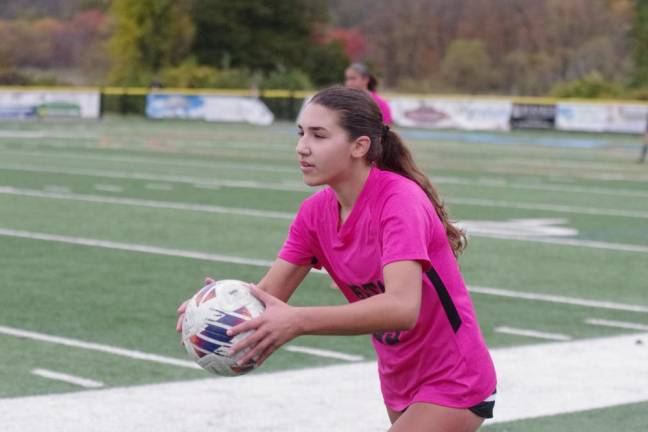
(276, 326)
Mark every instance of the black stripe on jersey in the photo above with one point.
(446, 300)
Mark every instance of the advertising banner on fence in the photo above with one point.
(452, 114)
(629, 118)
(49, 104)
(533, 116)
(208, 107)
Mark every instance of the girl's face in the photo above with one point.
(354, 79)
(326, 153)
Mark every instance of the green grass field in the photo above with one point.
(134, 203)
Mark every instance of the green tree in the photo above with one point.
(255, 34)
(148, 36)
(639, 37)
(467, 66)
(325, 63)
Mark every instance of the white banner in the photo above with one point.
(452, 113)
(49, 104)
(628, 118)
(208, 107)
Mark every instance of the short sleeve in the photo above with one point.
(299, 247)
(406, 229)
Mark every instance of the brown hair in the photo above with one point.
(360, 116)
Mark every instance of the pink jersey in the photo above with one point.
(384, 108)
(443, 359)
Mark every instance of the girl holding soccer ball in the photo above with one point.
(382, 233)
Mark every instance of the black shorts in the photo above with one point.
(485, 408)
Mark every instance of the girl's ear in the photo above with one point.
(360, 146)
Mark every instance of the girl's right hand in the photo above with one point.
(181, 309)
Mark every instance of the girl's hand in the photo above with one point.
(181, 309)
(276, 326)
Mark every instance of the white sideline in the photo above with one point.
(534, 381)
(264, 263)
(71, 379)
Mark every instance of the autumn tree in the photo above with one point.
(148, 36)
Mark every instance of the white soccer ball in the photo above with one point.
(209, 314)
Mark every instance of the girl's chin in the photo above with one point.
(312, 180)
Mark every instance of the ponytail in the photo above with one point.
(372, 85)
(397, 158)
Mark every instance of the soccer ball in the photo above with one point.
(209, 314)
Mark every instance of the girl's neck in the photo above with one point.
(348, 190)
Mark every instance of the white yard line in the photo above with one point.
(617, 324)
(503, 184)
(70, 379)
(266, 263)
(108, 188)
(289, 216)
(620, 247)
(102, 199)
(44, 134)
(549, 207)
(533, 381)
(159, 186)
(532, 333)
(292, 170)
(244, 184)
(298, 186)
(131, 247)
(463, 201)
(596, 304)
(176, 162)
(323, 353)
(155, 358)
(107, 349)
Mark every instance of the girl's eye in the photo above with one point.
(319, 136)
(300, 133)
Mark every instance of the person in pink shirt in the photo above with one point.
(381, 231)
(357, 76)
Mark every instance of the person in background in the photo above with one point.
(358, 77)
(644, 148)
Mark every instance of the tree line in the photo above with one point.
(585, 48)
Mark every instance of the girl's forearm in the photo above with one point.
(381, 312)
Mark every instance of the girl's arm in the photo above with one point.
(396, 309)
(283, 278)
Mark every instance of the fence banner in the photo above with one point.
(614, 117)
(452, 114)
(19, 104)
(208, 107)
(628, 118)
(533, 116)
